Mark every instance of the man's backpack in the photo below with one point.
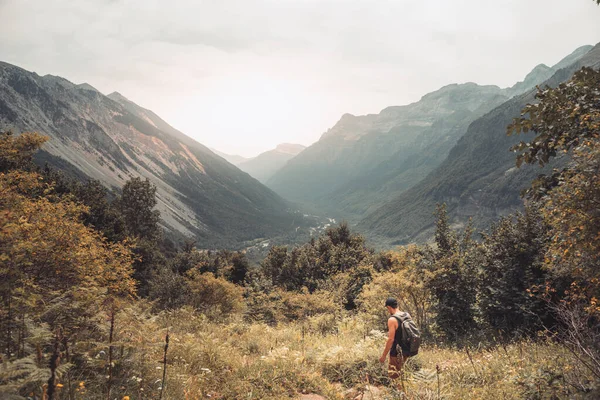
(411, 337)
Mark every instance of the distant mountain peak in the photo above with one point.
(571, 58)
(542, 72)
(290, 148)
(87, 86)
(231, 158)
(266, 164)
(118, 97)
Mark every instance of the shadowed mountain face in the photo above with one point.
(266, 164)
(364, 161)
(358, 160)
(477, 180)
(111, 139)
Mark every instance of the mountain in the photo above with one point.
(542, 72)
(231, 158)
(111, 139)
(266, 164)
(477, 180)
(363, 161)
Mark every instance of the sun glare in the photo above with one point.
(250, 113)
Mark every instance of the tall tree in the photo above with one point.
(567, 120)
(136, 205)
(453, 280)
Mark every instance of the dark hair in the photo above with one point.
(392, 302)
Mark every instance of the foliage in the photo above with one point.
(136, 204)
(564, 118)
(337, 251)
(453, 281)
(405, 279)
(308, 319)
(16, 152)
(214, 296)
(512, 272)
(58, 275)
(567, 119)
(573, 213)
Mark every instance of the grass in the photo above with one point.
(242, 360)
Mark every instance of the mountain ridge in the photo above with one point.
(477, 180)
(266, 164)
(113, 139)
(362, 161)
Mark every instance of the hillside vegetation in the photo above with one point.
(96, 304)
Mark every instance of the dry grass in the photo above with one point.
(239, 360)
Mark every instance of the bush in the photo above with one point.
(412, 297)
(215, 297)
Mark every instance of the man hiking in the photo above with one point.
(397, 345)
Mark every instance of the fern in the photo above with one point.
(26, 370)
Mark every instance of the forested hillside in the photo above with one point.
(97, 304)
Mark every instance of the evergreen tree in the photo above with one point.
(453, 281)
(136, 206)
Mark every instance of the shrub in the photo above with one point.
(216, 297)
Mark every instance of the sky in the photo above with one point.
(243, 76)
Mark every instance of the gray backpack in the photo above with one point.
(411, 337)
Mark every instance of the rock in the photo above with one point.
(311, 396)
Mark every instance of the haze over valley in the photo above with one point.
(375, 171)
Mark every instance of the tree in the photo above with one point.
(56, 274)
(47, 256)
(453, 280)
(16, 152)
(564, 118)
(273, 262)
(572, 210)
(100, 213)
(141, 223)
(445, 239)
(337, 251)
(239, 268)
(567, 120)
(512, 270)
(136, 205)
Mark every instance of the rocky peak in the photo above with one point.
(290, 148)
(118, 97)
(87, 86)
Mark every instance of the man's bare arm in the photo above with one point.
(390, 340)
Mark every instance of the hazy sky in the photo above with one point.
(243, 76)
